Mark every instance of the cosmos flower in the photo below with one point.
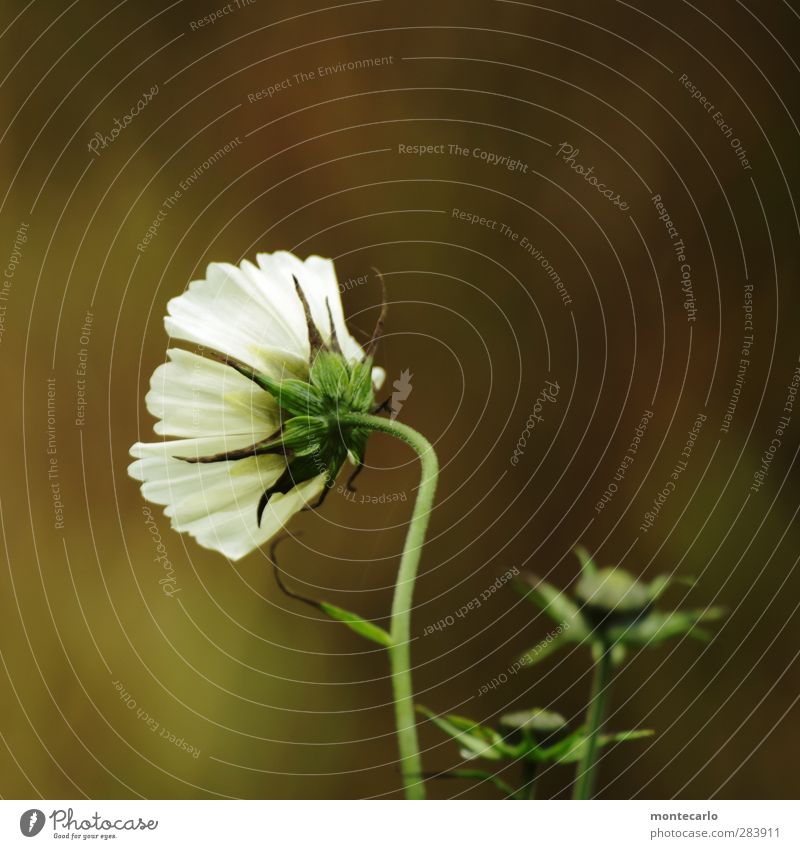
(253, 413)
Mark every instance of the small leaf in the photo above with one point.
(356, 623)
(588, 566)
(624, 736)
(477, 741)
(661, 583)
(543, 649)
(558, 607)
(579, 739)
(657, 626)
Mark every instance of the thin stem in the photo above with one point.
(528, 789)
(595, 717)
(400, 630)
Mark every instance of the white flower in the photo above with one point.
(245, 458)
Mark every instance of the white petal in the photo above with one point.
(240, 312)
(378, 377)
(235, 533)
(217, 503)
(317, 279)
(196, 396)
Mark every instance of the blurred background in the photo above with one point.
(141, 141)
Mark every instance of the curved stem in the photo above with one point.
(595, 717)
(400, 630)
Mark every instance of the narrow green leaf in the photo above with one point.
(477, 740)
(356, 623)
(661, 583)
(657, 626)
(543, 649)
(559, 608)
(624, 736)
(571, 753)
(588, 566)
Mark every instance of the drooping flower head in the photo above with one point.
(254, 412)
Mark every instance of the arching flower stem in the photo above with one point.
(400, 630)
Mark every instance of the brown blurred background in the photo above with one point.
(263, 698)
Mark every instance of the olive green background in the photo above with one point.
(279, 702)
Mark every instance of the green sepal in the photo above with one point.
(330, 375)
(366, 629)
(360, 393)
(658, 626)
(301, 435)
(613, 590)
(295, 396)
(661, 583)
(537, 721)
(571, 748)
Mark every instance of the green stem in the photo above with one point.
(400, 630)
(528, 789)
(595, 717)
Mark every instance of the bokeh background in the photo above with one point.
(262, 697)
